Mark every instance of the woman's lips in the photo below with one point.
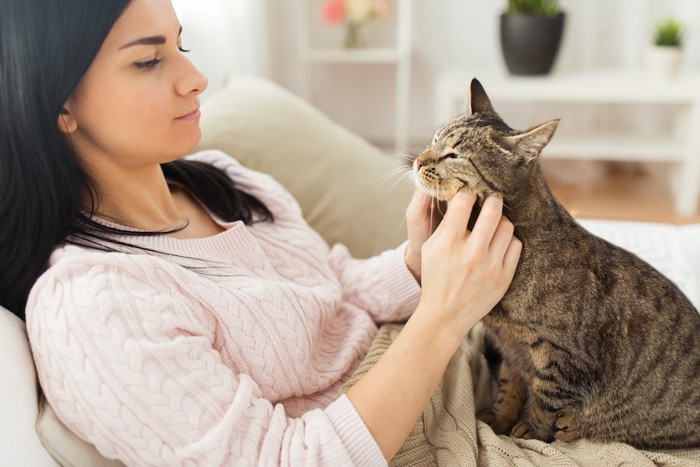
(193, 115)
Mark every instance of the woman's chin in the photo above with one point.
(189, 145)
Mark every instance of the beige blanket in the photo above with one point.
(448, 433)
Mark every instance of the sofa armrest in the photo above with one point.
(19, 442)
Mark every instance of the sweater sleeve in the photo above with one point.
(130, 367)
(382, 284)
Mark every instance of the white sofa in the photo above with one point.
(336, 177)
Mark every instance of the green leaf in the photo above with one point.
(548, 8)
(669, 32)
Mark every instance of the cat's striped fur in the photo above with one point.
(595, 343)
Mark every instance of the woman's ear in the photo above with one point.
(66, 122)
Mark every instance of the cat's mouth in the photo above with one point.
(444, 190)
(445, 195)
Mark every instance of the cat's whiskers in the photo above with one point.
(405, 157)
(398, 170)
(440, 205)
(403, 170)
(396, 183)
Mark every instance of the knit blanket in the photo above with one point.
(448, 433)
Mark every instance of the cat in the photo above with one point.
(593, 342)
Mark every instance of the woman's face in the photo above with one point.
(138, 103)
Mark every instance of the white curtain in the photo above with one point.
(225, 36)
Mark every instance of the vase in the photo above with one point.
(663, 61)
(530, 43)
(353, 38)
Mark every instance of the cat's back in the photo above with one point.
(568, 254)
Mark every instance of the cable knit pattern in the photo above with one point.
(217, 351)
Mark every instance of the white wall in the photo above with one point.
(447, 34)
(225, 36)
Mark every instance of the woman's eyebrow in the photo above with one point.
(152, 40)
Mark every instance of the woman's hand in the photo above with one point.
(465, 274)
(423, 215)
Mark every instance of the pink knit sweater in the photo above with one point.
(227, 350)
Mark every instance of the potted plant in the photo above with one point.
(531, 31)
(665, 54)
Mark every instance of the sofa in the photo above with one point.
(349, 190)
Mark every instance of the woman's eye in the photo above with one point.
(149, 64)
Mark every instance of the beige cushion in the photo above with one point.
(344, 184)
(67, 449)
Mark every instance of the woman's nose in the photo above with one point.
(191, 80)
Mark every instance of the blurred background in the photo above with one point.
(393, 70)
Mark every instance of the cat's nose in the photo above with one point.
(416, 164)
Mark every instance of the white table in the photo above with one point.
(681, 148)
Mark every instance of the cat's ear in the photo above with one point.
(530, 143)
(477, 100)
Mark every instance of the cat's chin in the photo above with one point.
(442, 193)
(437, 194)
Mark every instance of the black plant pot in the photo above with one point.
(530, 43)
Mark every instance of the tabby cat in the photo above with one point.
(593, 341)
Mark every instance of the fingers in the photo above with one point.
(418, 205)
(458, 210)
(502, 236)
(488, 221)
(493, 234)
(512, 256)
(422, 216)
(502, 243)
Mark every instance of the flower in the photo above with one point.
(357, 12)
(334, 12)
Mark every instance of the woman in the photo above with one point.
(180, 310)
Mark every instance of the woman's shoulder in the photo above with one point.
(84, 276)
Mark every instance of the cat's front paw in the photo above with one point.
(499, 425)
(523, 430)
(487, 416)
(565, 426)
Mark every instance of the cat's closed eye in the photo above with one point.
(451, 155)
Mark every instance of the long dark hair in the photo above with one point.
(45, 49)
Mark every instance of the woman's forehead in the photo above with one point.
(142, 19)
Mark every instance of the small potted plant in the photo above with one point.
(531, 32)
(665, 54)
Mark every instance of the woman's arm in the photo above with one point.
(134, 367)
(464, 275)
(381, 285)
